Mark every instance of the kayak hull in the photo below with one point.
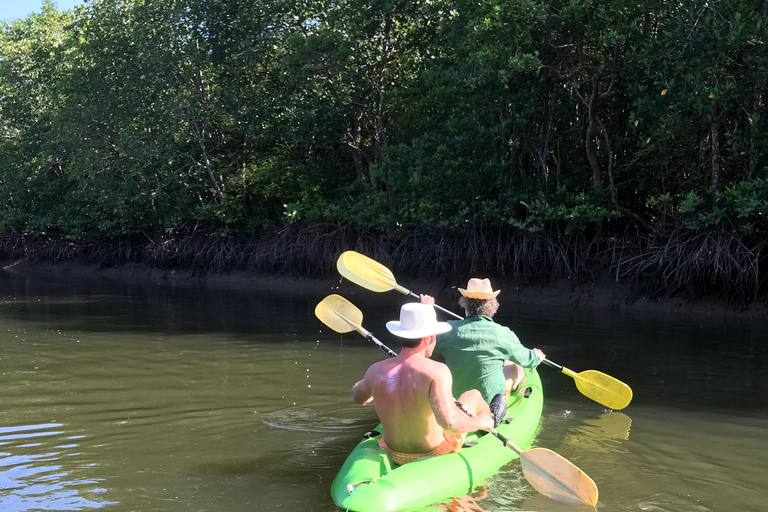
(378, 485)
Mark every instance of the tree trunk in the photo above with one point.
(611, 159)
(757, 108)
(199, 133)
(714, 137)
(543, 153)
(381, 147)
(754, 132)
(589, 144)
(352, 139)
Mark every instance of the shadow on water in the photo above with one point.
(103, 305)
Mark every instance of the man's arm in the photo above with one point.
(517, 353)
(447, 414)
(361, 392)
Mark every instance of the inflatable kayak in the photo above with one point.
(369, 481)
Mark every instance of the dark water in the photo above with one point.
(162, 397)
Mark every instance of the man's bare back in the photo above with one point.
(412, 397)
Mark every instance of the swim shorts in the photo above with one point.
(451, 443)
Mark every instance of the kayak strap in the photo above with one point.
(351, 491)
(352, 488)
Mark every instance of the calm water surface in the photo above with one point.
(158, 397)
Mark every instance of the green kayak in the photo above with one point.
(369, 481)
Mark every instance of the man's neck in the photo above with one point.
(407, 352)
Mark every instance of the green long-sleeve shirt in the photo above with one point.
(475, 349)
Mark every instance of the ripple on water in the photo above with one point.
(339, 419)
(319, 446)
(322, 453)
(45, 474)
(664, 502)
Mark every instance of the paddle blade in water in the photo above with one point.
(557, 478)
(603, 389)
(365, 272)
(339, 314)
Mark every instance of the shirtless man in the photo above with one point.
(412, 394)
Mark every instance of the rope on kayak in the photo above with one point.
(351, 491)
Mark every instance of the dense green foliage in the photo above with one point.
(236, 115)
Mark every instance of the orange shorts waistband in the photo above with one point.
(451, 443)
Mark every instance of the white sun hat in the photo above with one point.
(417, 321)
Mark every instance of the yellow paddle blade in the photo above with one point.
(339, 314)
(557, 478)
(602, 388)
(365, 272)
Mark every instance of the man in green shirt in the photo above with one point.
(482, 354)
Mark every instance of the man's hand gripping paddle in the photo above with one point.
(374, 276)
(549, 473)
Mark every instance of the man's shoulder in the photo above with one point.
(477, 322)
(458, 324)
(379, 366)
(430, 366)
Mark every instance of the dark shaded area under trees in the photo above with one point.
(529, 141)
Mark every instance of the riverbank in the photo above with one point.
(602, 294)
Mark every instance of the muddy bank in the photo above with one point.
(717, 272)
(603, 294)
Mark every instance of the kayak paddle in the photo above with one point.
(372, 275)
(549, 473)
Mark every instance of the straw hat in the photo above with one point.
(479, 289)
(417, 321)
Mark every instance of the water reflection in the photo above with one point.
(41, 468)
(481, 501)
(603, 434)
(541, 503)
(467, 503)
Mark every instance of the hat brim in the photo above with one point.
(437, 328)
(479, 295)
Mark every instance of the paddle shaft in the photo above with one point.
(509, 444)
(562, 369)
(416, 295)
(370, 337)
(565, 371)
